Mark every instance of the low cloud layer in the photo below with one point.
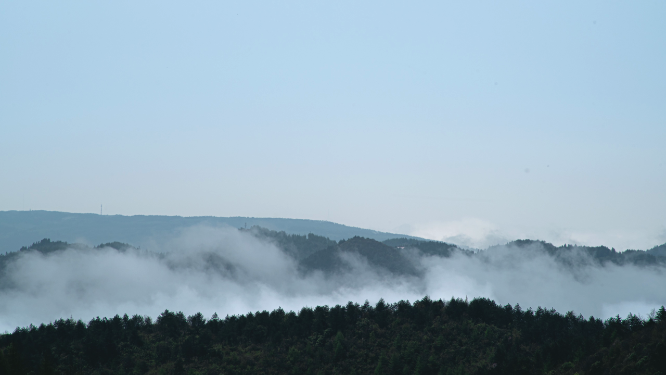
(470, 232)
(480, 234)
(230, 272)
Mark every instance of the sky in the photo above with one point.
(472, 122)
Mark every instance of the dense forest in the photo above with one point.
(426, 337)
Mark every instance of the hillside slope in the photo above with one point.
(18, 228)
(336, 259)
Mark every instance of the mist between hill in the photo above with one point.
(224, 270)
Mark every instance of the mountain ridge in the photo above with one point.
(18, 228)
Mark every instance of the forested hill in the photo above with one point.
(18, 228)
(582, 255)
(396, 256)
(296, 245)
(299, 238)
(427, 338)
(658, 250)
(381, 256)
(46, 246)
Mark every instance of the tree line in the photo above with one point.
(425, 337)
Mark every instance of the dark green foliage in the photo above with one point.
(403, 242)
(46, 246)
(375, 253)
(298, 246)
(658, 251)
(427, 337)
(661, 315)
(570, 255)
(115, 245)
(573, 255)
(437, 248)
(395, 256)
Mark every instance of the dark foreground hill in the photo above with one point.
(426, 337)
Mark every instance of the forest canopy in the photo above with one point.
(424, 337)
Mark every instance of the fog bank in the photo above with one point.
(223, 270)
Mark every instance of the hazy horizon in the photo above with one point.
(460, 240)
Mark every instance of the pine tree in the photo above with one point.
(339, 350)
(661, 315)
(381, 368)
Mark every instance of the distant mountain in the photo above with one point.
(397, 256)
(313, 252)
(18, 228)
(581, 255)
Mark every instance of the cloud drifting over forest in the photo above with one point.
(227, 271)
(479, 233)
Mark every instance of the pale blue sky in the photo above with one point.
(490, 120)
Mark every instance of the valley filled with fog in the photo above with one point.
(229, 271)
